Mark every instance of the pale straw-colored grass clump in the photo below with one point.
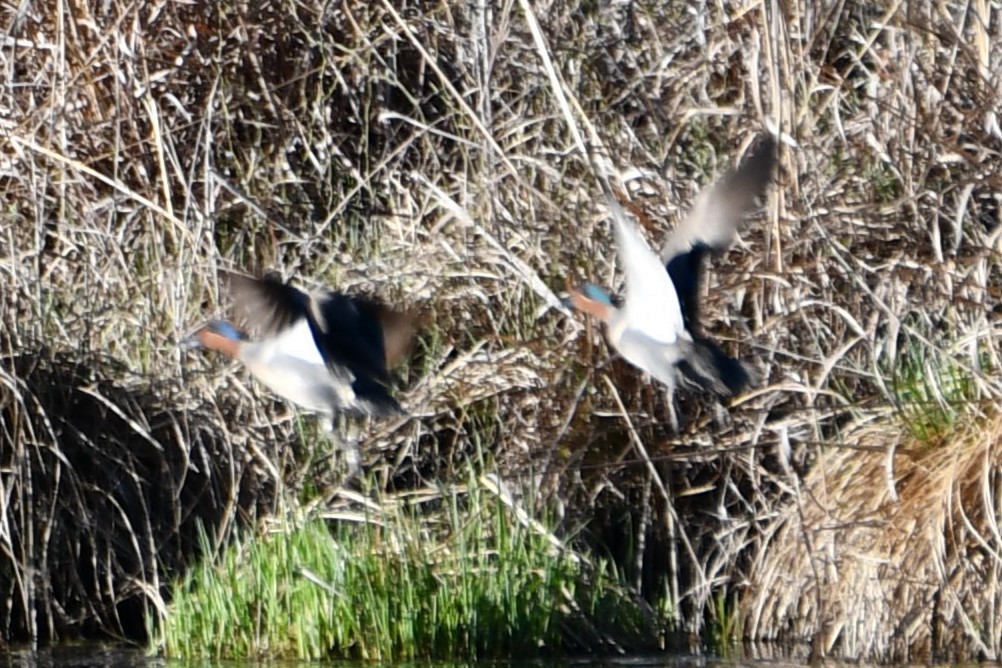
(888, 550)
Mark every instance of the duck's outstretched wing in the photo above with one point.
(366, 337)
(351, 332)
(269, 304)
(650, 306)
(713, 222)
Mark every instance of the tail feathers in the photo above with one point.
(374, 399)
(706, 365)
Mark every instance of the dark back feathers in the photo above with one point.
(355, 333)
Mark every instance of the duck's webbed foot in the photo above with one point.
(669, 399)
(347, 445)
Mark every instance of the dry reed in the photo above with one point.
(889, 551)
(422, 152)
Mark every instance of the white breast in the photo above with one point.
(291, 366)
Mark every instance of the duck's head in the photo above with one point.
(215, 335)
(592, 299)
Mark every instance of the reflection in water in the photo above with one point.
(94, 655)
(79, 655)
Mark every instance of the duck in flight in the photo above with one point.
(324, 351)
(656, 326)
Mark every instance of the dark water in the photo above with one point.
(79, 656)
(89, 655)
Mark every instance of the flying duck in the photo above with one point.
(324, 351)
(656, 326)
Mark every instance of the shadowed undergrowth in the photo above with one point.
(106, 491)
(422, 152)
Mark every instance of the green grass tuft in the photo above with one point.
(932, 392)
(456, 576)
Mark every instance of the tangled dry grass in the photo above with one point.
(422, 151)
(901, 560)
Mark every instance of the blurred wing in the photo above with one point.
(651, 305)
(360, 334)
(713, 221)
(344, 329)
(350, 333)
(398, 334)
(268, 304)
(685, 270)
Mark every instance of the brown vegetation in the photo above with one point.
(420, 151)
(889, 549)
